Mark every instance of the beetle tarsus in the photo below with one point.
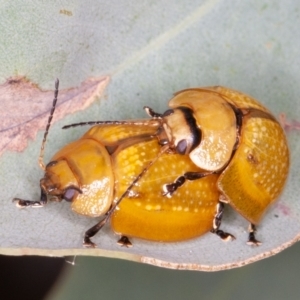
(252, 241)
(124, 242)
(169, 189)
(225, 236)
(87, 243)
(91, 232)
(218, 216)
(28, 203)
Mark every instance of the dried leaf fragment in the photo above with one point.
(25, 108)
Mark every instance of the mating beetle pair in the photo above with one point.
(167, 178)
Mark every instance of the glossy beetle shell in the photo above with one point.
(145, 213)
(260, 165)
(87, 165)
(256, 172)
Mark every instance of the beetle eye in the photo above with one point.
(69, 194)
(168, 112)
(181, 147)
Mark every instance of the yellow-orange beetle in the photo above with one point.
(166, 179)
(110, 162)
(228, 133)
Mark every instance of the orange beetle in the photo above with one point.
(113, 162)
(223, 146)
(231, 135)
(228, 133)
(96, 170)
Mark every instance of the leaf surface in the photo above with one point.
(150, 51)
(25, 108)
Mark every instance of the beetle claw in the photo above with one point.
(124, 242)
(167, 194)
(254, 243)
(229, 237)
(87, 243)
(169, 189)
(25, 203)
(225, 236)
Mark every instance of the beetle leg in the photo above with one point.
(91, 232)
(252, 240)
(25, 203)
(169, 189)
(225, 236)
(124, 241)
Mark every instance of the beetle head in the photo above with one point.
(59, 182)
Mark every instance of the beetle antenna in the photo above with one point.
(154, 121)
(147, 122)
(41, 163)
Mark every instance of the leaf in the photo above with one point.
(25, 108)
(150, 51)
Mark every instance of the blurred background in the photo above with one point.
(149, 49)
(275, 278)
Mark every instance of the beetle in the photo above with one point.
(218, 134)
(229, 134)
(117, 170)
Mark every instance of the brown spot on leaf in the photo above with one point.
(66, 12)
(25, 108)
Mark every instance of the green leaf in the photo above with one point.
(150, 50)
